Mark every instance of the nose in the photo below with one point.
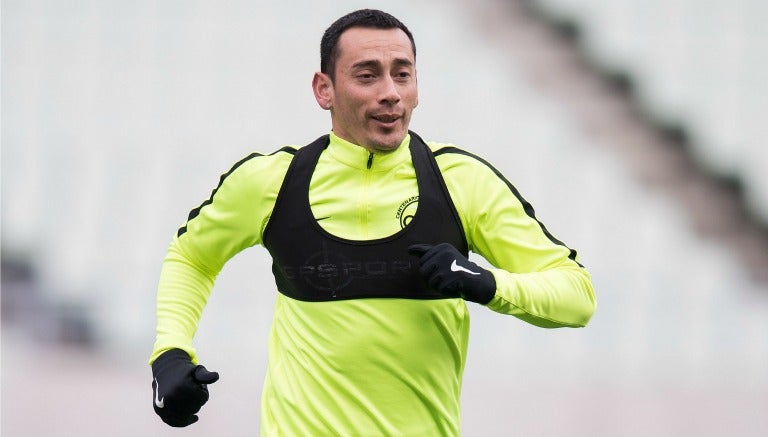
(389, 92)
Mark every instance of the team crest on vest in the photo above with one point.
(407, 210)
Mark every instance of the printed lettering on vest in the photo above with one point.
(332, 272)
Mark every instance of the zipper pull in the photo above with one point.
(370, 160)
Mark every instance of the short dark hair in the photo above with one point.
(368, 18)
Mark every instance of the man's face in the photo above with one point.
(374, 91)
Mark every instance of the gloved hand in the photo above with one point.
(447, 271)
(179, 387)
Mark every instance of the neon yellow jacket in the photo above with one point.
(369, 367)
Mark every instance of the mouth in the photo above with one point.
(386, 120)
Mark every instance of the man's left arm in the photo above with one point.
(538, 279)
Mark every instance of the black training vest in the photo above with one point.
(311, 264)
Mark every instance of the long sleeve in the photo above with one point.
(231, 220)
(539, 279)
(183, 292)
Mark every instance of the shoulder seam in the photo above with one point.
(527, 207)
(196, 211)
(452, 149)
(287, 149)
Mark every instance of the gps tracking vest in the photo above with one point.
(310, 264)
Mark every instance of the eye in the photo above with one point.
(403, 76)
(366, 76)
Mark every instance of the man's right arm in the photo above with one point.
(182, 294)
(230, 220)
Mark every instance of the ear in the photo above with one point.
(323, 89)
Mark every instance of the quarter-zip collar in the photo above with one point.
(359, 157)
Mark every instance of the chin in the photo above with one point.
(386, 147)
(388, 143)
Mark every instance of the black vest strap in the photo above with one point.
(311, 264)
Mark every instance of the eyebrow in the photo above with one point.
(371, 63)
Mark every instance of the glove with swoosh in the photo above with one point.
(447, 271)
(179, 387)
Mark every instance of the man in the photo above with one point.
(369, 229)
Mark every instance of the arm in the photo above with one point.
(538, 279)
(231, 220)
(182, 294)
(214, 232)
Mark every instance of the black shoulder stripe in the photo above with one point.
(195, 212)
(527, 207)
(287, 149)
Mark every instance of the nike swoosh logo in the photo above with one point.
(457, 268)
(159, 403)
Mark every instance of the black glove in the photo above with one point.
(179, 388)
(449, 272)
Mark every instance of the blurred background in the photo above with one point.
(636, 129)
